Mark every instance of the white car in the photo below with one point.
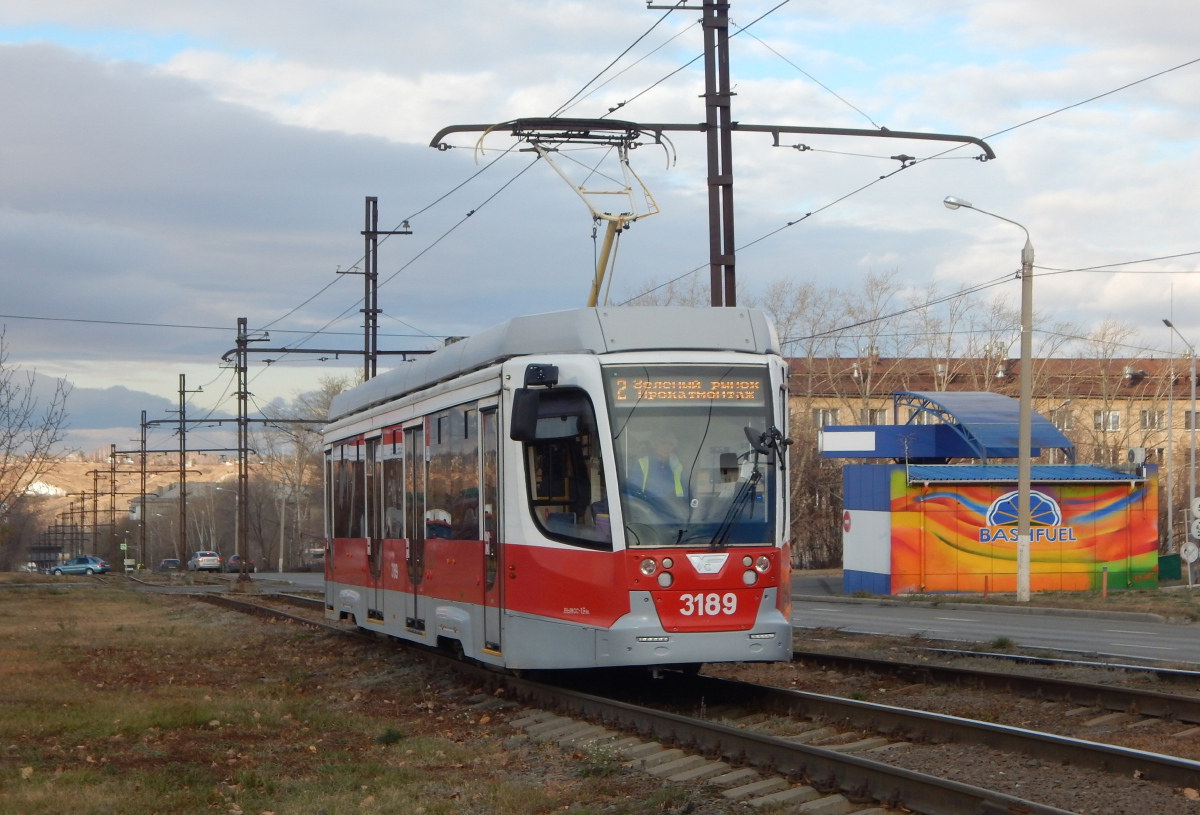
(204, 562)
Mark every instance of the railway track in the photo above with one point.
(649, 729)
(1137, 702)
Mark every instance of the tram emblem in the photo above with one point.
(708, 563)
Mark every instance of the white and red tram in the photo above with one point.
(588, 488)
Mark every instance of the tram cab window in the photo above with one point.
(688, 475)
(564, 471)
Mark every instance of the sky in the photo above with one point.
(170, 167)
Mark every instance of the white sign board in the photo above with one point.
(1196, 507)
(1189, 552)
(1196, 529)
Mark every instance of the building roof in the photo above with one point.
(1054, 378)
(1007, 474)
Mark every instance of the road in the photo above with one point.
(1116, 636)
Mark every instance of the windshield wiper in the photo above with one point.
(744, 496)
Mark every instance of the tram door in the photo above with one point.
(372, 488)
(414, 515)
(489, 492)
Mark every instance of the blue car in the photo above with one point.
(83, 564)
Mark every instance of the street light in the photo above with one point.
(1025, 417)
(1192, 420)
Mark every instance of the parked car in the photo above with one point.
(83, 564)
(168, 564)
(234, 564)
(204, 562)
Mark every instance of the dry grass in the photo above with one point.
(112, 702)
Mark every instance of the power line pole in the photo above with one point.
(370, 287)
(370, 273)
(181, 538)
(243, 443)
(718, 118)
(142, 506)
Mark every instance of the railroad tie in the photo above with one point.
(556, 734)
(664, 769)
(755, 788)
(573, 737)
(531, 717)
(1186, 734)
(654, 759)
(640, 749)
(733, 778)
(812, 735)
(791, 795)
(860, 745)
(700, 772)
(1109, 718)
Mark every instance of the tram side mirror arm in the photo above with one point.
(524, 415)
(758, 441)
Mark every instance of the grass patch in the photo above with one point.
(389, 736)
(122, 703)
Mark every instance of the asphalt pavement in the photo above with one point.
(817, 603)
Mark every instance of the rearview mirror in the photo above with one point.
(524, 415)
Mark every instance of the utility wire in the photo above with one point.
(645, 34)
(631, 66)
(421, 211)
(870, 184)
(692, 61)
(814, 79)
(420, 254)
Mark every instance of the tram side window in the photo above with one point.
(393, 498)
(567, 493)
(452, 493)
(348, 476)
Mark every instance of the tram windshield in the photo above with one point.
(688, 474)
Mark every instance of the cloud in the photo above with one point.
(224, 175)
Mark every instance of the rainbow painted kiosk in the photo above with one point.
(922, 524)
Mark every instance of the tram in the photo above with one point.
(590, 488)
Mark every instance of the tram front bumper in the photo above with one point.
(638, 638)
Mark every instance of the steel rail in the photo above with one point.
(917, 725)
(1143, 702)
(826, 770)
(1174, 674)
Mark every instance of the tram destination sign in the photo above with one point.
(677, 388)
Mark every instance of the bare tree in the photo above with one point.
(291, 452)
(691, 290)
(30, 429)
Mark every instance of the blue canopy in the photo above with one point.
(986, 422)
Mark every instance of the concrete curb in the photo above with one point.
(1080, 613)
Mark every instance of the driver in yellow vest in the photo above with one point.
(662, 474)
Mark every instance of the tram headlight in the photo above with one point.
(749, 577)
(665, 580)
(746, 561)
(668, 563)
(648, 566)
(763, 563)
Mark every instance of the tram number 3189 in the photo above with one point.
(710, 605)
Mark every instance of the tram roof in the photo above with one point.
(578, 331)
